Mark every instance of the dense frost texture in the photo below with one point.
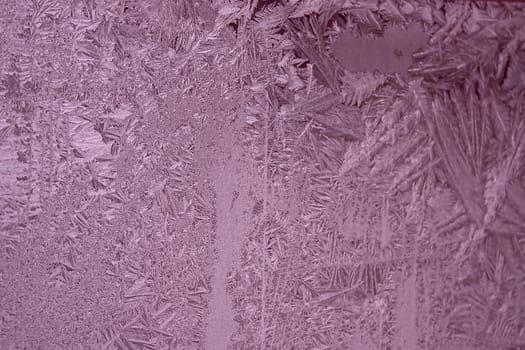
(262, 174)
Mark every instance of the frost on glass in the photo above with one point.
(257, 174)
